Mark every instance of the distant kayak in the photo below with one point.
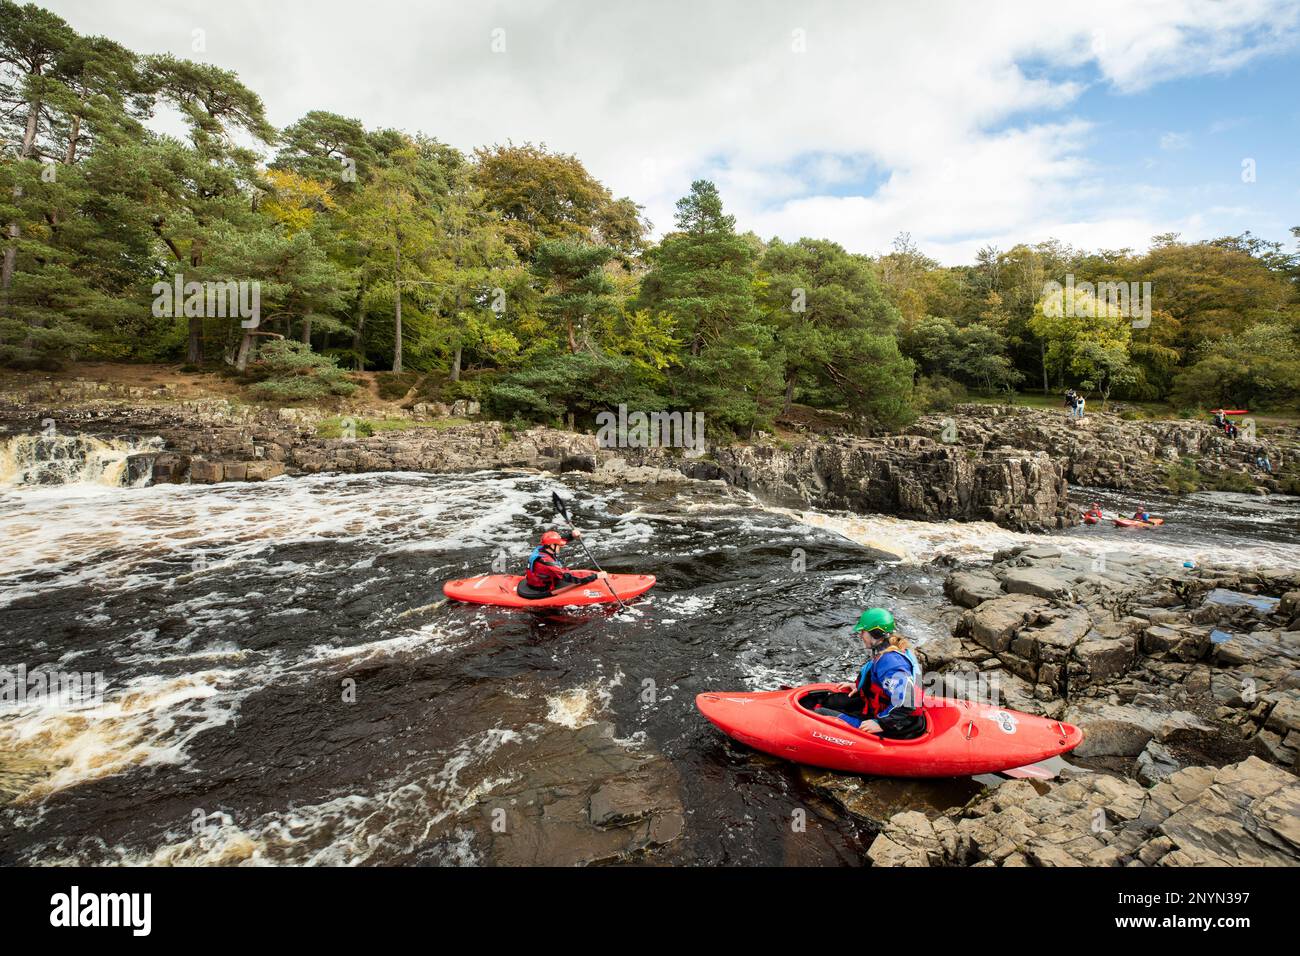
(1135, 523)
(1090, 518)
(499, 590)
(962, 738)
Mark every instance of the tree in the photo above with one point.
(329, 148)
(703, 276)
(543, 195)
(1261, 365)
(1102, 367)
(395, 218)
(573, 273)
(833, 323)
(207, 185)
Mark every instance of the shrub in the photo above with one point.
(1183, 477)
(291, 371)
(937, 393)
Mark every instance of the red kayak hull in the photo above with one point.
(1090, 519)
(1134, 523)
(963, 738)
(498, 590)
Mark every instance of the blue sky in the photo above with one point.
(1187, 139)
(1101, 123)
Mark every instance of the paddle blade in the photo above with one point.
(560, 505)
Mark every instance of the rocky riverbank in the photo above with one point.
(1108, 451)
(1186, 682)
(1007, 464)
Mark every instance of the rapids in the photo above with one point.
(270, 700)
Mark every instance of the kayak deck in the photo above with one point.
(499, 590)
(962, 738)
(1135, 523)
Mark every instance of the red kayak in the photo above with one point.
(962, 738)
(1090, 517)
(499, 590)
(1135, 523)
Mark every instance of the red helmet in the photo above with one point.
(553, 538)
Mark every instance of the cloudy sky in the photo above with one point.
(1101, 123)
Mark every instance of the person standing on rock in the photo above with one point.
(886, 699)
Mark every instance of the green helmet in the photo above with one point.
(875, 619)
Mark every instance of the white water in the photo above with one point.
(114, 541)
(53, 460)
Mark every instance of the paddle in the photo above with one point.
(562, 510)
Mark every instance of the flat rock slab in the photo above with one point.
(1222, 597)
(1036, 582)
(1118, 730)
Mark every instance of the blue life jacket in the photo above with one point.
(891, 682)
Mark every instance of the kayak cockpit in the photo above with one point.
(806, 701)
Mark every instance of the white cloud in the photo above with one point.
(929, 110)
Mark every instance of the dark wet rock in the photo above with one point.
(875, 800)
(907, 475)
(586, 799)
(170, 468)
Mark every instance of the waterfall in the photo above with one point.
(52, 459)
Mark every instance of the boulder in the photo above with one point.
(206, 472)
(994, 623)
(1037, 582)
(972, 588)
(1156, 763)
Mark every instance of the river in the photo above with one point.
(279, 691)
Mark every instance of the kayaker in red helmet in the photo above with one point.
(887, 696)
(545, 573)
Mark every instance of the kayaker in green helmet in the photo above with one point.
(886, 698)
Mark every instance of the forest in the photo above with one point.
(511, 276)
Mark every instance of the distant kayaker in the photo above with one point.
(887, 696)
(1219, 418)
(1094, 511)
(1142, 514)
(545, 573)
